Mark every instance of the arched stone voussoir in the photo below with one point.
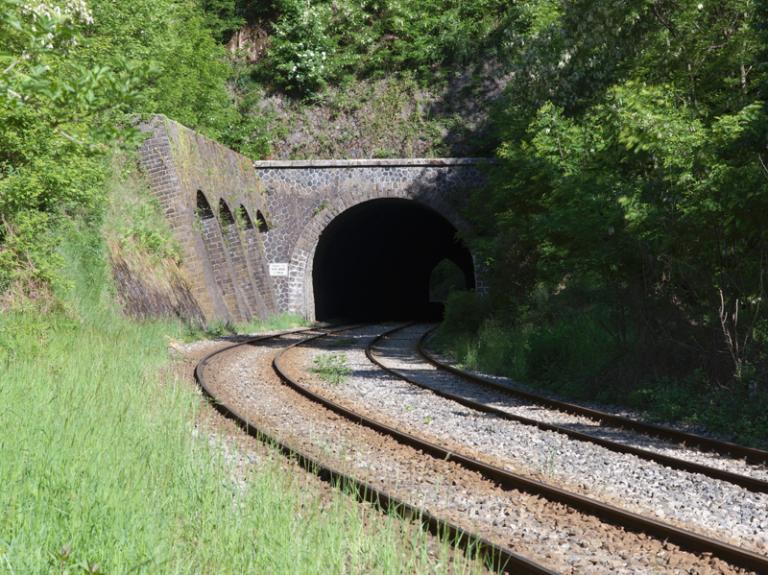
(307, 196)
(300, 282)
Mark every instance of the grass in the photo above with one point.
(339, 342)
(331, 367)
(101, 471)
(570, 358)
(275, 323)
(278, 322)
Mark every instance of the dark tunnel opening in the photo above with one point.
(375, 261)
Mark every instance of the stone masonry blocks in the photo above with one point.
(227, 263)
(178, 164)
(303, 197)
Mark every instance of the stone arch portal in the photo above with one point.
(282, 234)
(412, 197)
(374, 261)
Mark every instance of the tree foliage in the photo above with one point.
(71, 71)
(633, 185)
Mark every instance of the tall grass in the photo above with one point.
(100, 470)
(575, 356)
(550, 350)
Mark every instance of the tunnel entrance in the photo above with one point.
(375, 261)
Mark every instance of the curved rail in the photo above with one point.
(750, 483)
(500, 558)
(750, 454)
(684, 538)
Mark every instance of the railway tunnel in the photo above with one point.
(376, 261)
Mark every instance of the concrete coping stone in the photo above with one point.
(372, 163)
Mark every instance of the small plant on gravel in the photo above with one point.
(428, 419)
(549, 462)
(332, 367)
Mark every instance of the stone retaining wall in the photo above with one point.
(202, 186)
(181, 166)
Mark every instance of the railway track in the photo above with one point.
(604, 419)
(500, 555)
(499, 558)
(749, 454)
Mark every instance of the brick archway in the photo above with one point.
(300, 282)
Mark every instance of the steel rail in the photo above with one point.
(498, 557)
(750, 454)
(683, 538)
(750, 483)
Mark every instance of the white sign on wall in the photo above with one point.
(279, 270)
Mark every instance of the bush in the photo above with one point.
(299, 57)
(316, 42)
(569, 350)
(503, 350)
(464, 313)
(736, 414)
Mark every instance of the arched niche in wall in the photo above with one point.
(225, 213)
(203, 208)
(261, 222)
(244, 218)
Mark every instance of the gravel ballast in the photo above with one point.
(708, 506)
(549, 533)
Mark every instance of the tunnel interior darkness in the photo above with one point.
(374, 262)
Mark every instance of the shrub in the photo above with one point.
(301, 47)
(503, 350)
(464, 313)
(570, 349)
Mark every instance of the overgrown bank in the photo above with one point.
(103, 472)
(574, 358)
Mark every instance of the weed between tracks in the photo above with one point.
(100, 470)
(331, 367)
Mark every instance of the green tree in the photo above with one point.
(53, 129)
(631, 182)
(71, 71)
